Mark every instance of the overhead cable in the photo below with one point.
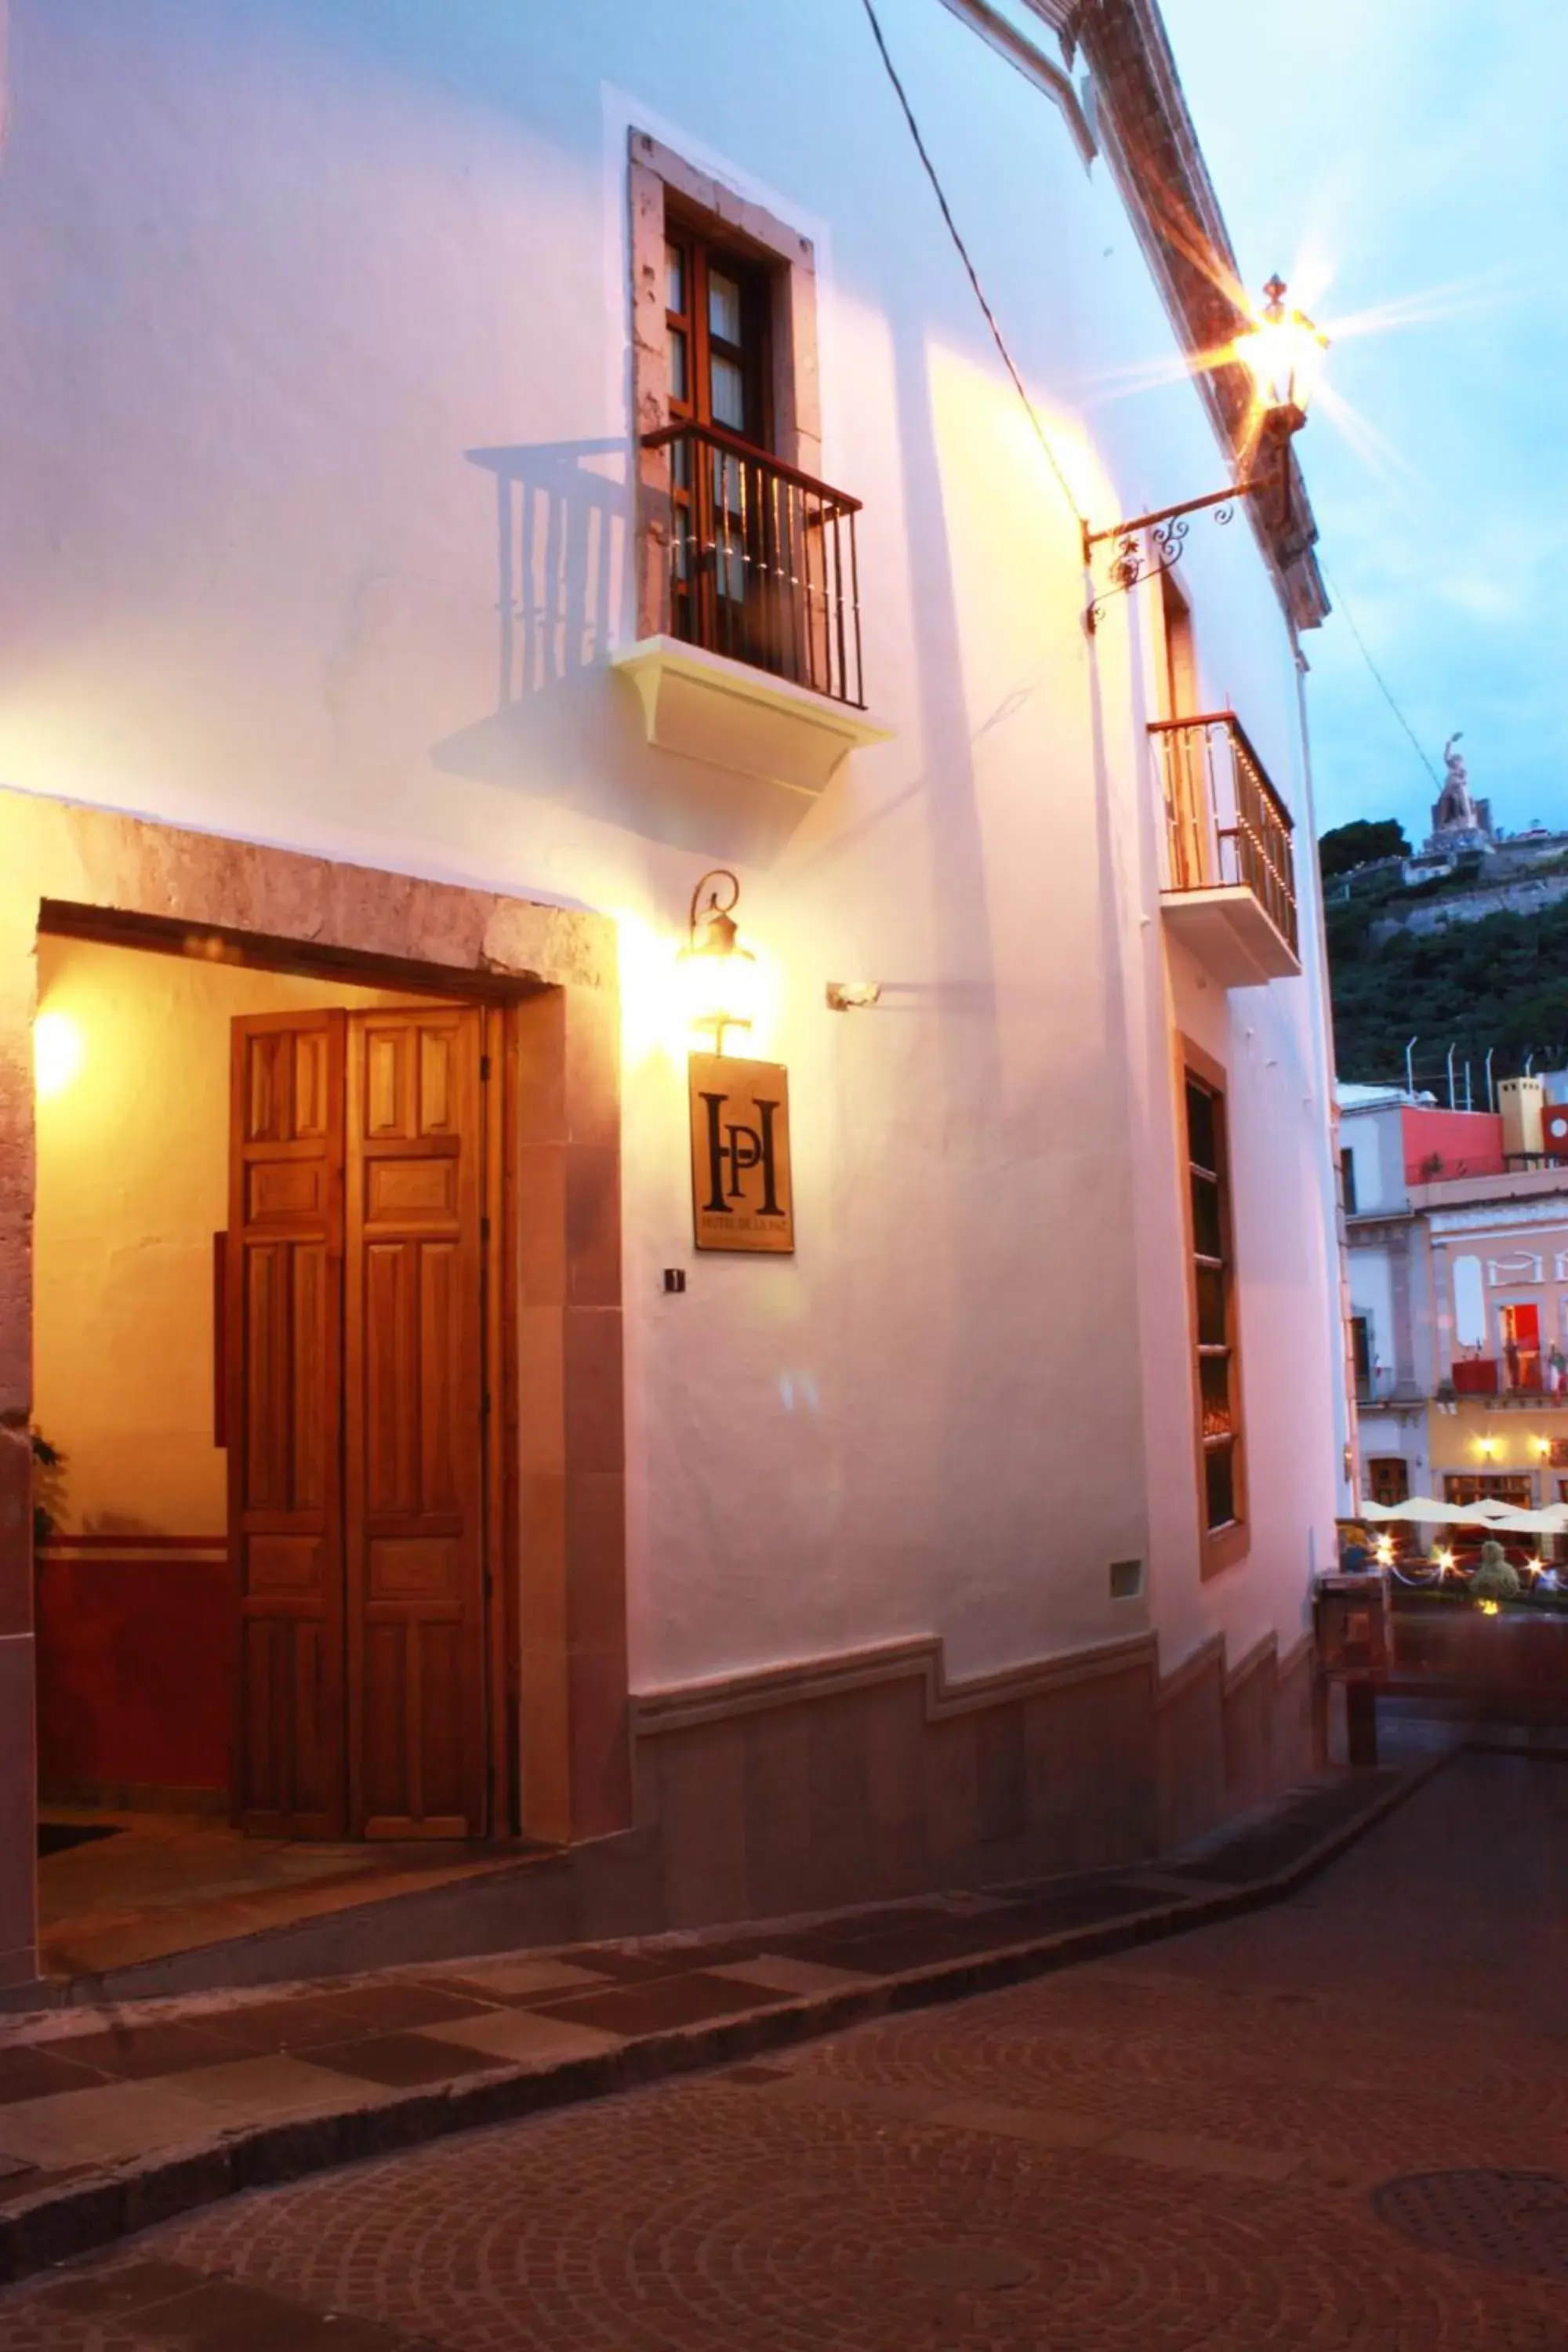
(990, 316)
(1384, 686)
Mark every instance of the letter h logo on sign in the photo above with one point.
(740, 1192)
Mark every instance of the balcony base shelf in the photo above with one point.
(705, 706)
(1230, 934)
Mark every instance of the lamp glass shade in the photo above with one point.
(1284, 353)
(719, 984)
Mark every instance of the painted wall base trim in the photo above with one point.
(923, 1657)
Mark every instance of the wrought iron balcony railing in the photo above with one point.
(1225, 822)
(761, 562)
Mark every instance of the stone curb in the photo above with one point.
(84, 2215)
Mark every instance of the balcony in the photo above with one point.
(1230, 895)
(757, 666)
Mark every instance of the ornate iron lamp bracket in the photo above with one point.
(1167, 529)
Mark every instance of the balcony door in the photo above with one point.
(1518, 1334)
(729, 528)
(1187, 820)
(355, 1417)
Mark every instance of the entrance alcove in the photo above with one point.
(431, 1073)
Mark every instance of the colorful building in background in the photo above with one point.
(1457, 1231)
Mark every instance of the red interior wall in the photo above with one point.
(1469, 1143)
(133, 1671)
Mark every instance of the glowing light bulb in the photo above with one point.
(58, 1053)
(1284, 353)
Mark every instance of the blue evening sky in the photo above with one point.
(1409, 155)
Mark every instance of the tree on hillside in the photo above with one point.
(1501, 982)
(1357, 844)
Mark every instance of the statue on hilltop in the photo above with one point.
(1455, 812)
(1458, 820)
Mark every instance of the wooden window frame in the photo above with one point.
(1348, 1180)
(1227, 1545)
(701, 250)
(1516, 1488)
(1376, 1463)
(666, 191)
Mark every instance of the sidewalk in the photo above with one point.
(110, 2120)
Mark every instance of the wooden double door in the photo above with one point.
(355, 1422)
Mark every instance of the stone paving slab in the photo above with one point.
(173, 2103)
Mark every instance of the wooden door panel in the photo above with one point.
(291, 1080)
(413, 1425)
(285, 1377)
(388, 1340)
(292, 1765)
(445, 1329)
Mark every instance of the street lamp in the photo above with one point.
(1282, 351)
(719, 976)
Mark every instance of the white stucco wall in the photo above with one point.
(272, 277)
(1377, 1140)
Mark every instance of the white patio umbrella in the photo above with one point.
(1508, 1519)
(1421, 1510)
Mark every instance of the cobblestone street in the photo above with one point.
(1183, 2148)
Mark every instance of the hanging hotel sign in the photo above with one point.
(740, 1192)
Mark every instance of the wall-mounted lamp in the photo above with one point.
(1283, 353)
(1543, 1446)
(58, 1053)
(1487, 1447)
(852, 995)
(719, 976)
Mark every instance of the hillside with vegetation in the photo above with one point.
(1498, 984)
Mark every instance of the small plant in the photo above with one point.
(1496, 1578)
(47, 1464)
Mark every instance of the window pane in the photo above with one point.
(1212, 1332)
(729, 571)
(1219, 1480)
(1207, 1231)
(1214, 1379)
(1203, 1140)
(728, 485)
(729, 394)
(675, 278)
(678, 389)
(723, 307)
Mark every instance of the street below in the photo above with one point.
(1340, 2122)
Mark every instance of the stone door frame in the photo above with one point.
(553, 972)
